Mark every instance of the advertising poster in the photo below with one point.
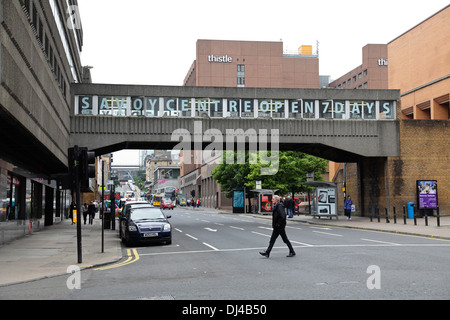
(266, 203)
(427, 194)
(238, 201)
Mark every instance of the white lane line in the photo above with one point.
(329, 234)
(192, 237)
(292, 241)
(178, 230)
(266, 228)
(294, 228)
(261, 234)
(320, 228)
(210, 246)
(219, 224)
(383, 242)
(237, 228)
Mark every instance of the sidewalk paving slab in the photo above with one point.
(51, 251)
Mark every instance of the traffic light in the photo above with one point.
(87, 168)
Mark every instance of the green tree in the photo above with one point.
(292, 169)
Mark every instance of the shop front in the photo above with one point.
(28, 204)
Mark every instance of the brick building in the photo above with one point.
(419, 65)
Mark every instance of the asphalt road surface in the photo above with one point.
(216, 257)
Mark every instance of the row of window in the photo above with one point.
(355, 78)
(36, 23)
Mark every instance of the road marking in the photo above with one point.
(219, 224)
(383, 242)
(210, 246)
(130, 259)
(292, 241)
(178, 230)
(191, 236)
(267, 228)
(330, 234)
(237, 228)
(282, 247)
(321, 228)
(261, 234)
(212, 230)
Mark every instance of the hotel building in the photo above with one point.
(256, 64)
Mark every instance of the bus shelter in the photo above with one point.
(324, 200)
(265, 196)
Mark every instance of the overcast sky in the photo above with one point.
(153, 42)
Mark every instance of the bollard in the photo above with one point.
(378, 214)
(415, 218)
(426, 218)
(438, 217)
(395, 216)
(372, 214)
(404, 214)
(387, 215)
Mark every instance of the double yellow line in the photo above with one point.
(133, 256)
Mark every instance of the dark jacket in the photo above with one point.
(278, 216)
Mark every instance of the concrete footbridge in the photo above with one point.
(339, 125)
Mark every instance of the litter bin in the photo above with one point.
(410, 207)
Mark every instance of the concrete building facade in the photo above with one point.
(40, 50)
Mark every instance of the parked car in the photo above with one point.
(127, 206)
(167, 204)
(145, 224)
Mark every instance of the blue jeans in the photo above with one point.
(290, 215)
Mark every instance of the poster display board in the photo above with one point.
(326, 201)
(238, 201)
(427, 194)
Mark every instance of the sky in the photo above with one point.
(153, 42)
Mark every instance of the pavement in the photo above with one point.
(48, 253)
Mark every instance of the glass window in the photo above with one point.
(85, 105)
(202, 107)
(233, 108)
(326, 109)
(247, 108)
(184, 107)
(387, 109)
(309, 109)
(370, 110)
(170, 107)
(278, 109)
(264, 108)
(295, 109)
(4, 199)
(339, 109)
(151, 106)
(216, 108)
(355, 109)
(137, 106)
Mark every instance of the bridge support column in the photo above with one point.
(374, 183)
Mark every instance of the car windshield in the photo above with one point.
(146, 214)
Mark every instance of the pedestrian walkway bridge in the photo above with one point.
(339, 125)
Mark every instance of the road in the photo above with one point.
(215, 256)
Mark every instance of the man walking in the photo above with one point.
(278, 225)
